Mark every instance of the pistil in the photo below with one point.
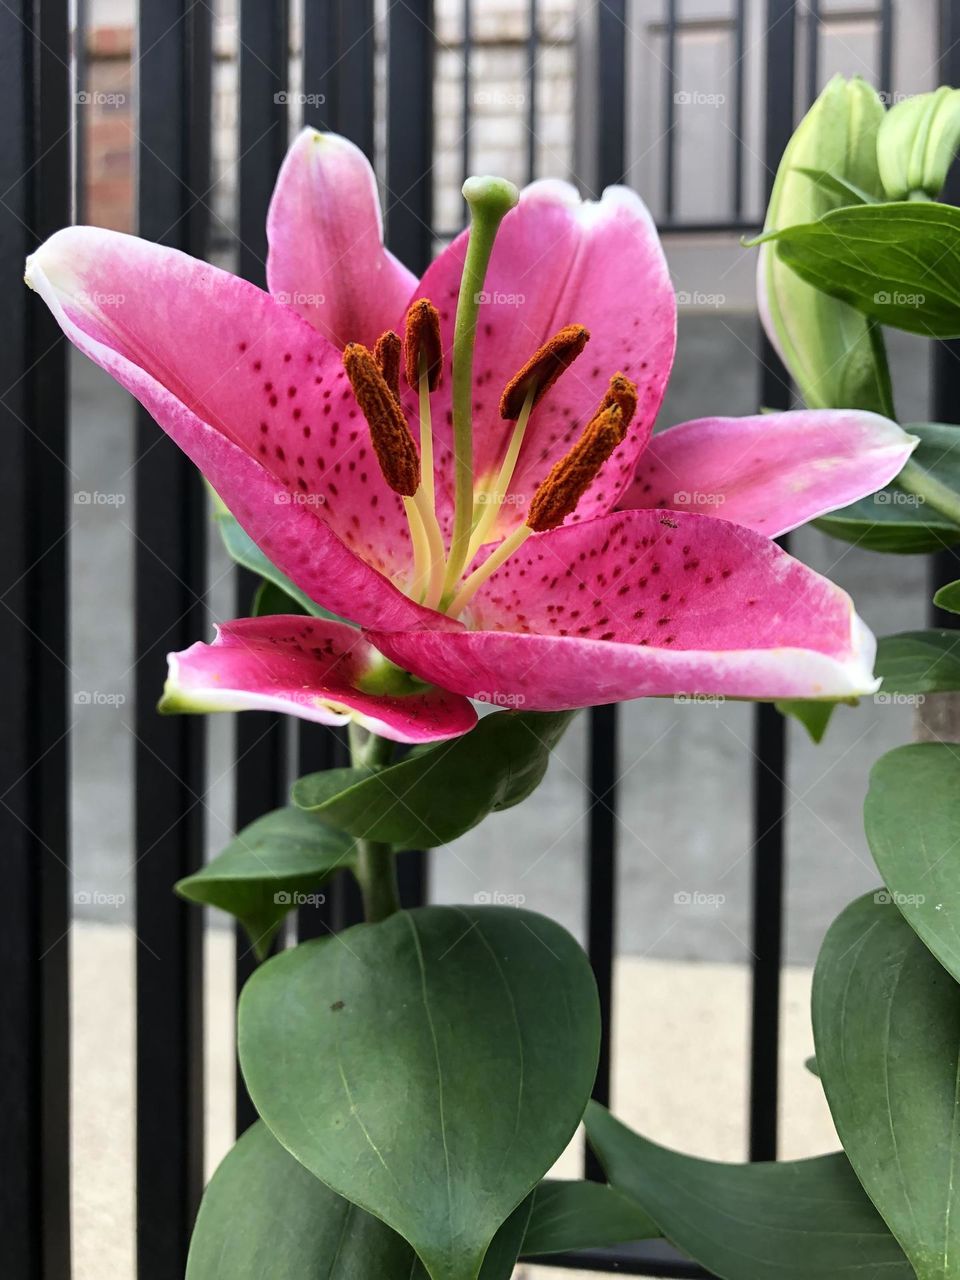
(490, 199)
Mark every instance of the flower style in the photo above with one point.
(463, 467)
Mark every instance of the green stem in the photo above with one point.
(490, 199)
(376, 867)
(914, 479)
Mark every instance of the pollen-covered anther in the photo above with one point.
(623, 393)
(558, 495)
(387, 352)
(543, 369)
(392, 441)
(422, 340)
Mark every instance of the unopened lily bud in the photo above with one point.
(917, 142)
(825, 344)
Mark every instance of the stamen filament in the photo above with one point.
(494, 497)
(419, 583)
(487, 569)
(426, 434)
(490, 199)
(436, 552)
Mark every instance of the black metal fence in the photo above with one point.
(40, 75)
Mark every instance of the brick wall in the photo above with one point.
(498, 104)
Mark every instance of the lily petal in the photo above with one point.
(255, 397)
(643, 603)
(326, 257)
(771, 472)
(559, 260)
(317, 670)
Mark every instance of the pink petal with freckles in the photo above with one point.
(255, 397)
(771, 472)
(307, 668)
(325, 231)
(559, 260)
(643, 603)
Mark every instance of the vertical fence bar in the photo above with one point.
(533, 46)
(409, 234)
(602, 748)
(945, 565)
(770, 740)
(338, 63)
(174, 76)
(739, 99)
(813, 49)
(467, 121)
(886, 47)
(34, 913)
(261, 739)
(670, 114)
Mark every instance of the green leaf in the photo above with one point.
(811, 1065)
(438, 793)
(917, 142)
(898, 264)
(919, 662)
(948, 597)
(265, 1215)
(814, 716)
(583, 1215)
(891, 521)
(836, 185)
(789, 1220)
(244, 551)
(430, 1068)
(270, 600)
(886, 1024)
(932, 472)
(836, 357)
(261, 874)
(912, 820)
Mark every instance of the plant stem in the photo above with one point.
(376, 867)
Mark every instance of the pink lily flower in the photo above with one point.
(488, 556)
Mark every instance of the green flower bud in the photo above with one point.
(916, 144)
(834, 354)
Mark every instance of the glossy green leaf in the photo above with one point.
(270, 600)
(912, 820)
(919, 662)
(244, 551)
(886, 1024)
(917, 141)
(814, 716)
(891, 521)
(430, 1068)
(789, 1220)
(948, 597)
(439, 792)
(265, 1215)
(268, 869)
(898, 264)
(836, 357)
(583, 1215)
(932, 473)
(835, 184)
